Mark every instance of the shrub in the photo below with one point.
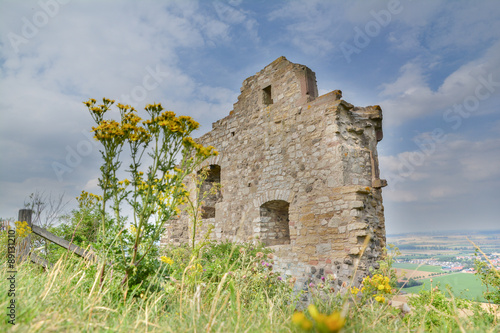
(490, 277)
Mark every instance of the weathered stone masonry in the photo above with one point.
(299, 172)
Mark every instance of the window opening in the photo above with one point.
(274, 223)
(267, 97)
(210, 192)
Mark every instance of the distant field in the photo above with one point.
(417, 267)
(446, 243)
(463, 285)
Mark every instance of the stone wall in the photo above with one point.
(299, 172)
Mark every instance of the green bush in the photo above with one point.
(490, 277)
(246, 267)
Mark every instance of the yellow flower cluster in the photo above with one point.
(300, 319)
(125, 182)
(378, 286)
(88, 196)
(168, 121)
(22, 229)
(130, 126)
(112, 134)
(90, 102)
(112, 131)
(324, 323)
(177, 210)
(167, 260)
(97, 112)
(154, 108)
(189, 122)
(196, 268)
(109, 130)
(208, 151)
(87, 200)
(133, 229)
(201, 151)
(142, 185)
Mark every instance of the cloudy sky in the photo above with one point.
(433, 66)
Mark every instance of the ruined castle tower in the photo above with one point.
(299, 172)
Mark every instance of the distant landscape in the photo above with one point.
(444, 259)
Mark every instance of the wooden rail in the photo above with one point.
(24, 250)
(62, 242)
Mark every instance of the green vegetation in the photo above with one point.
(490, 278)
(229, 288)
(463, 285)
(418, 267)
(153, 192)
(211, 295)
(442, 313)
(408, 283)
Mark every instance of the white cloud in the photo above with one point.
(400, 196)
(234, 17)
(439, 26)
(447, 170)
(92, 186)
(441, 191)
(311, 39)
(110, 49)
(459, 190)
(410, 95)
(411, 82)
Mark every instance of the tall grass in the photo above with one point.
(233, 294)
(70, 298)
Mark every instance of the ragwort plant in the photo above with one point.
(195, 205)
(154, 193)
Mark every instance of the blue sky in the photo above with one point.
(433, 66)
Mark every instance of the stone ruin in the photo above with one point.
(298, 172)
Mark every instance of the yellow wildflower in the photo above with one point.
(22, 229)
(300, 319)
(313, 311)
(167, 260)
(331, 323)
(334, 322)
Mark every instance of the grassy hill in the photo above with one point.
(463, 285)
(423, 268)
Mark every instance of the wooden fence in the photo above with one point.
(23, 247)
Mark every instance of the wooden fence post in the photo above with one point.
(23, 246)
